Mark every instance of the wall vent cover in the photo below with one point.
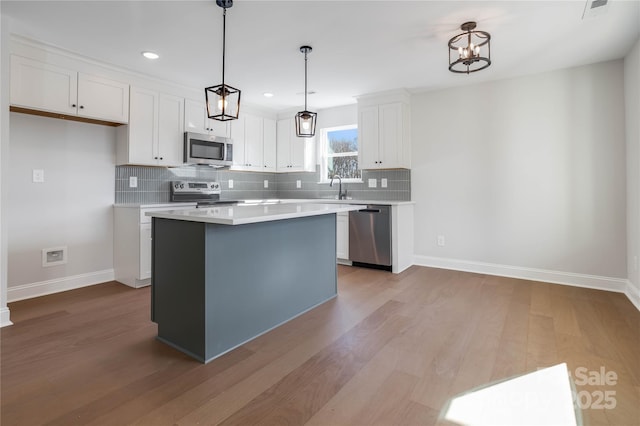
(54, 256)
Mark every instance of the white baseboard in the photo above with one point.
(4, 317)
(42, 288)
(618, 285)
(633, 294)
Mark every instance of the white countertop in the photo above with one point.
(243, 214)
(154, 205)
(263, 201)
(334, 201)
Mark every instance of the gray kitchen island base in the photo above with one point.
(214, 287)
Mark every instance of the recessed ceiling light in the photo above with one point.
(268, 95)
(150, 55)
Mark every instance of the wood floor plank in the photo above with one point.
(541, 345)
(356, 347)
(390, 349)
(386, 406)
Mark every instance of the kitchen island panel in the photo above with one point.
(177, 293)
(249, 279)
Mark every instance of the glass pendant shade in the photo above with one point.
(223, 102)
(306, 124)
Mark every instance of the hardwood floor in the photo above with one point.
(390, 349)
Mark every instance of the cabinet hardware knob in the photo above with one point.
(73, 105)
(81, 106)
(155, 158)
(161, 158)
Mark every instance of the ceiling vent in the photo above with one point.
(594, 8)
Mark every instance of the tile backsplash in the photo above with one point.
(154, 183)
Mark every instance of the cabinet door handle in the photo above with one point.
(161, 158)
(81, 106)
(73, 105)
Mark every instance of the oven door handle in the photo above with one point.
(370, 210)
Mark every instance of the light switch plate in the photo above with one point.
(133, 181)
(383, 183)
(298, 184)
(38, 175)
(266, 183)
(373, 183)
(230, 183)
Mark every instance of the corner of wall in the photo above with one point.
(633, 294)
(4, 160)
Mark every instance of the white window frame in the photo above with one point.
(324, 155)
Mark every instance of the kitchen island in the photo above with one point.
(224, 275)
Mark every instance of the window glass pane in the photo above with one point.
(346, 167)
(342, 141)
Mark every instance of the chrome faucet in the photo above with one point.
(341, 195)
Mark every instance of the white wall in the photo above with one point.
(632, 109)
(4, 161)
(72, 208)
(338, 116)
(524, 177)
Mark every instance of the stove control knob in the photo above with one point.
(182, 186)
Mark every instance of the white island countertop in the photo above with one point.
(244, 214)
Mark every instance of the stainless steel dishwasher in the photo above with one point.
(370, 237)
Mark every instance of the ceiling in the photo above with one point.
(359, 47)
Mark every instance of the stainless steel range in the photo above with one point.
(203, 193)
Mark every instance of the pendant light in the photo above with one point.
(305, 120)
(223, 101)
(473, 50)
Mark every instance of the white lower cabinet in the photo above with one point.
(132, 243)
(342, 236)
(401, 237)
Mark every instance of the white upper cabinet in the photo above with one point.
(383, 130)
(253, 143)
(170, 130)
(155, 134)
(270, 146)
(196, 120)
(49, 88)
(291, 148)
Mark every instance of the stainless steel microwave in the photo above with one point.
(207, 149)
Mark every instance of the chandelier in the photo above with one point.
(472, 50)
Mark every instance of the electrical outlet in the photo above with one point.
(373, 183)
(266, 183)
(38, 175)
(441, 241)
(230, 183)
(383, 183)
(133, 181)
(298, 184)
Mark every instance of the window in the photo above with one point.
(340, 153)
